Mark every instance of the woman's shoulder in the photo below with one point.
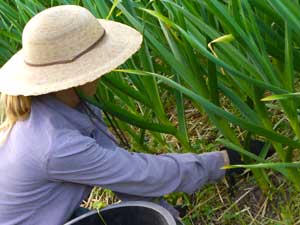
(39, 129)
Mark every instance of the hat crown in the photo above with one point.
(59, 34)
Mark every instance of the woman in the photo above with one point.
(52, 151)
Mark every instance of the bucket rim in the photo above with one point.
(150, 205)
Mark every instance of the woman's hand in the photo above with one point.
(234, 158)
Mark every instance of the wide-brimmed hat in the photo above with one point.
(63, 47)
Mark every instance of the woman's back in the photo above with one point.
(27, 195)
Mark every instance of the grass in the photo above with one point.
(214, 204)
(206, 66)
(196, 50)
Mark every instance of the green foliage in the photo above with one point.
(216, 48)
(197, 50)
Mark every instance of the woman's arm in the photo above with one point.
(79, 159)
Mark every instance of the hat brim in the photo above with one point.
(118, 44)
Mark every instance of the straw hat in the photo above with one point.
(66, 46)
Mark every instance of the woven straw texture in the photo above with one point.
(64, 47)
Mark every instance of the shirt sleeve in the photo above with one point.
(79, 159)
(101, 134)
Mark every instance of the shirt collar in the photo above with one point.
(75, 116)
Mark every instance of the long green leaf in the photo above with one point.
(211, 108)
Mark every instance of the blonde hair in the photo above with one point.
(13, 109)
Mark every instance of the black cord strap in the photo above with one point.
(92, 115)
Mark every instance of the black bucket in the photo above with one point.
(128, 213)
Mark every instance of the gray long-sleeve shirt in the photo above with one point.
(51, 160)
